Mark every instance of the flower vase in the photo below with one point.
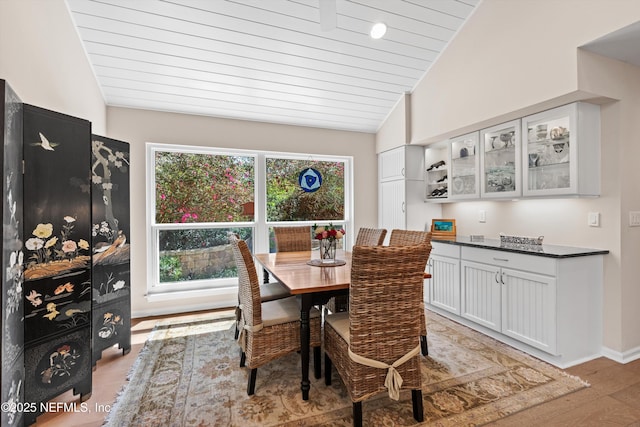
(328, 251)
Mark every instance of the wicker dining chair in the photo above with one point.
(268, 292)
(292, 239)
(414, 237)
(376, 338)
(269, 329)
(365, 237)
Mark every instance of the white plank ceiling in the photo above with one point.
(265, 60)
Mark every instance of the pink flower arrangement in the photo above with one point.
(328, 232)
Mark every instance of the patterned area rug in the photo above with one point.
(188, 375)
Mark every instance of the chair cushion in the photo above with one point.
(272, 291)
(283, 311)
(339, 322)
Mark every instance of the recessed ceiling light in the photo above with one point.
(378, 30)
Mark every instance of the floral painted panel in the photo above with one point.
(57, 304)
(110, 243)
(56, 366)
(111, 326)
(57, 262)
(12, 257)
(110, 208)
(57, 199)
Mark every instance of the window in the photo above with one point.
(286, 201)
(197, 196)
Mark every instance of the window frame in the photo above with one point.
(260, 226)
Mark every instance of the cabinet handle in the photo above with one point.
(402, 172)
(496, 278)
(502, 278)
(501, 259)
(402, 207)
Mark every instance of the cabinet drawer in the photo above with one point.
(445, 249)
(536, 264)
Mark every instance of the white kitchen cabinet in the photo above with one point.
(529, 308)
(405, 162)
(401, 188)
(500, 173)
(561, 154)
(464, 167)
(546, 300)
(481, 294)
(553, 153)
(444, 285)
(516, 303)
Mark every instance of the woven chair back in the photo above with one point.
(292, 239)
(248, 284)
(409, 237)
(370, 236)
(385, 294)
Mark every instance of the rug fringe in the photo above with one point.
(576, 378)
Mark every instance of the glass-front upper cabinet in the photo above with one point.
(562, 151)
(464, 169)
(500, 161)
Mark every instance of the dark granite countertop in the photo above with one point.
(551, 251)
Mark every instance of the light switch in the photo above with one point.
(593, 219)
(482, 216)
(634, 219)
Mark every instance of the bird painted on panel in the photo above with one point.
(44, 143)
(119, 242)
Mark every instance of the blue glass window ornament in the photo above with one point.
(310, 180)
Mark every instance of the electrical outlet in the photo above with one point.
(593, 219)
(634, 219)
(482, 216)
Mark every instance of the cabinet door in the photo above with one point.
(465, 162)
(445, 283)
(500, 161)
(481, 301)
(392, 205)
(391, 164)
(550, 153)
(561, 155)
(529, 308)
(405, 162)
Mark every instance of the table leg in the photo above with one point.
(305, 338)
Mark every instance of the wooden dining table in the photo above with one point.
(313, 285)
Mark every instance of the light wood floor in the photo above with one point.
(612, 400)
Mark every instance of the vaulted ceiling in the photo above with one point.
(301, 62)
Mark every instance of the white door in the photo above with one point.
(392, 205)
(445, 283)
(529, 308)
(480, 296)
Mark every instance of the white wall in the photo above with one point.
(141, 126)
(509, 59)
(42, 60)
(396, 129)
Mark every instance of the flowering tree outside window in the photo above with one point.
(196, 188)
(202, 187)
(286, 201)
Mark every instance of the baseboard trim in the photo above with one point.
(179, 310)
(621, 357)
